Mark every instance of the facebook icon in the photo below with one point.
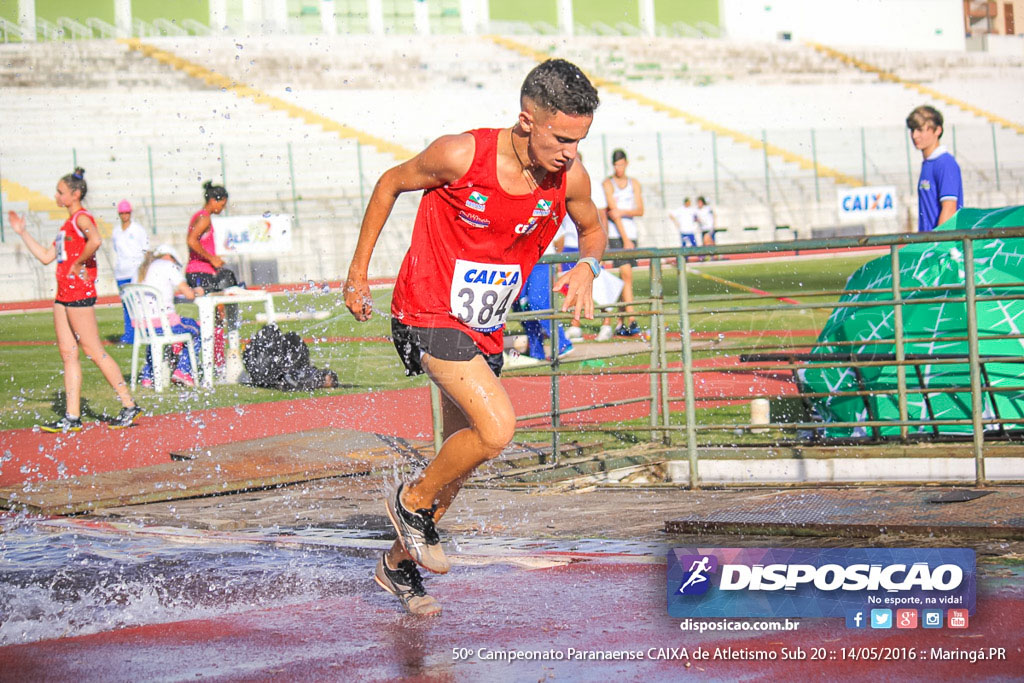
(856, 619)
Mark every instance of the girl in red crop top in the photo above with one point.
(74, 321)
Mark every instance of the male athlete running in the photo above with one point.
(493, 199)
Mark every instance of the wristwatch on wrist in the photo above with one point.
(595, 265)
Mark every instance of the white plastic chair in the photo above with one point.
(144, 307)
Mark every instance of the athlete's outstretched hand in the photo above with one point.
(358, 299)
(579, 298)
(16, 222)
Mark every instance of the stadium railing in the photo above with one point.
(702, 422)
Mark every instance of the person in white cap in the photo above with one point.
(130, 246)
(162, 269)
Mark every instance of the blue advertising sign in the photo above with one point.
(849, 583)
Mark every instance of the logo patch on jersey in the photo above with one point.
(926, 185)
(543, 208)
(473, 220)
(492, 276)
(528, 227)
(477, 201)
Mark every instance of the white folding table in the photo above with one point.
(207, 305)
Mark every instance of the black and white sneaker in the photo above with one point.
(125, 418)
(417, 533)
(65, 424)
(406, 584)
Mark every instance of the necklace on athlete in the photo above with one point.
(529, 174)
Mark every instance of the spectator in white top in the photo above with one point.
(162, 269)
(130, 246)
(706, 221)
(625, 203)
(685, 220)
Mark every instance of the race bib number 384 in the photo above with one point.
(482, 293)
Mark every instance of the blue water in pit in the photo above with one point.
(55, 585)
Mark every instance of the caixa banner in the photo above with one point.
(260, 235)
(824, 582)
(862, 204)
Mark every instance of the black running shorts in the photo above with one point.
(443, 343)
(616, 243)
(81, 303)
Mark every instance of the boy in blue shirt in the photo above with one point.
(940, 190)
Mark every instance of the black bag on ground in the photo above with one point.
(224, 278)
(281, 361)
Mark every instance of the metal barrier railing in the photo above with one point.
(791, 357)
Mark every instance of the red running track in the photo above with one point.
(591, 605)
(27, 455)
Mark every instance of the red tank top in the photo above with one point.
(69, 245)
(473, 245)
(196, 263)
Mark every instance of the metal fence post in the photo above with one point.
(604, 154)
(910, 167)
(223, 171)
(975, 363)
(359, 169)
(656, 296)
(863, 156)
(74, 158)
(666, 437)
(901, 357)
(995, 157)
(661, 171)
(3, 238)
(767, 181)
(714, 161)
(556, 400)
(814, 158)
(954, 139)
(436, 417)
(291, 173)
(691, 408)
(152, 186)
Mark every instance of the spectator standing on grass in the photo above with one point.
(162, 270)
(74, 320)
(625, 204)
(536, 296)
(130, 246)
(685, 220)
(940, 189)
(705, 216)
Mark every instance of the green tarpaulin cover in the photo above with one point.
(996, 261)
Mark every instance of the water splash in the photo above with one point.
(66, 584)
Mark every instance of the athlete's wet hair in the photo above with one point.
(923, 115)
(211, 191)
(76, 181)
(558, 85)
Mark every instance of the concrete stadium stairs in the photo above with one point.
(891, 76)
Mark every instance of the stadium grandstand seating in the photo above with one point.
(691, 113)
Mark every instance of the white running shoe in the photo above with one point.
(605, 333)
(574, 332)
(515, 360)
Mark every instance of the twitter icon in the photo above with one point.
(881, 618)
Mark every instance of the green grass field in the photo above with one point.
(32, 390)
